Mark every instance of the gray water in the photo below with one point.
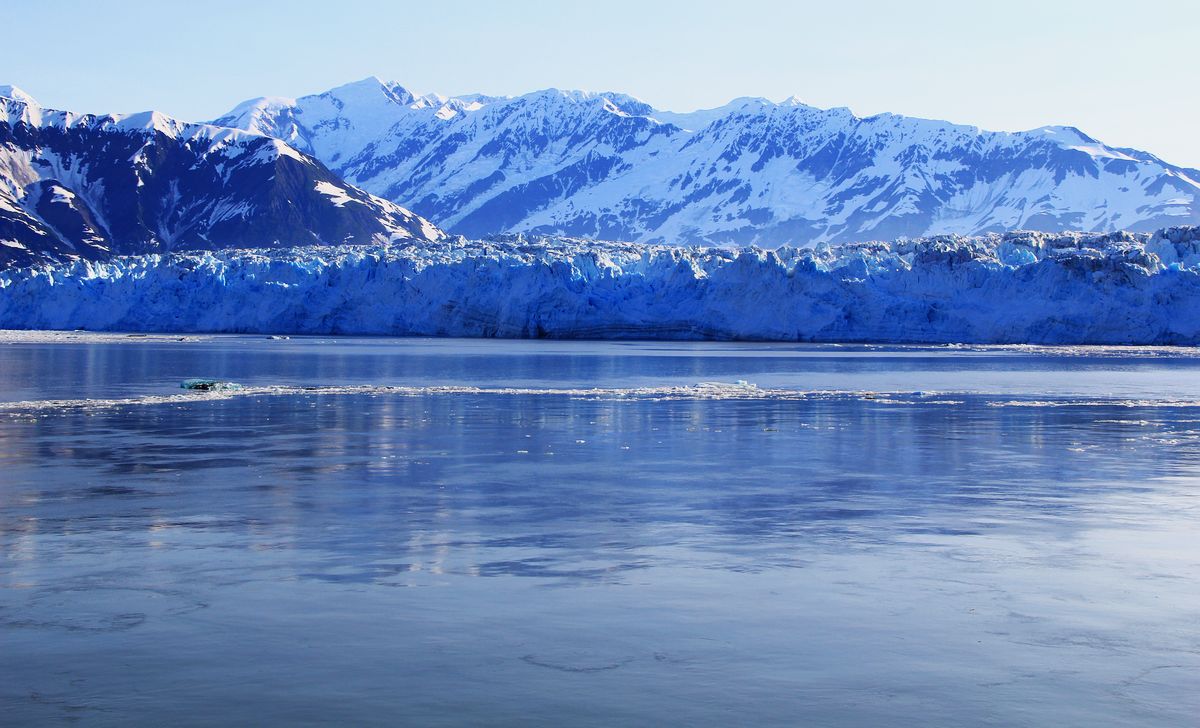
(1018, 546)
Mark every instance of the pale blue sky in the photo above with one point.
(1124, 72)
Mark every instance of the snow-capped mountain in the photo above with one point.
(608, 166)
(85, 186)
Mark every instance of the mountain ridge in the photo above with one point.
(607, 165)
(92, 186)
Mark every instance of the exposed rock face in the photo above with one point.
(91, 187)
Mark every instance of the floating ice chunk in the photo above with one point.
(200, 384)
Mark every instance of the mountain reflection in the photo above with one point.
(380, 487)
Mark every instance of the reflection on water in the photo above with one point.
(542, 559)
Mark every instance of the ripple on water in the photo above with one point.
(86, 608)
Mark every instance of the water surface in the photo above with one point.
(1016, 546)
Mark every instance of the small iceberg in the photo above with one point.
(200, 384)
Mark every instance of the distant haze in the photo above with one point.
(1123, 74)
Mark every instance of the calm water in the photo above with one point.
(542, 559)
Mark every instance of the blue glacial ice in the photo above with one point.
(1024, 287)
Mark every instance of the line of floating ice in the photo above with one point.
(41, 336)
(701, 391)
(1097, 402)
(1110, 351)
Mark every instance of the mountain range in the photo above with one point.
(91, 187)
(608, 166)
(347, 166)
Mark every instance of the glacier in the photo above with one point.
(1019, 287)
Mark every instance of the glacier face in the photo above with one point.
(85, 186)
(607, 166)
(1119, 288)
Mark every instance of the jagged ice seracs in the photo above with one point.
(1023, 287)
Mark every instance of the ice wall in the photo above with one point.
(1117, 288)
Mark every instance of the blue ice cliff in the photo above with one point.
(1022, 287)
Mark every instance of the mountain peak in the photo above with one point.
(92, 186)
(1066, 134)
(371, 88)
(12, 92)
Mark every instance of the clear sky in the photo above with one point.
(1124, 72)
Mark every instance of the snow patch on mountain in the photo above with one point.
(336, 194)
